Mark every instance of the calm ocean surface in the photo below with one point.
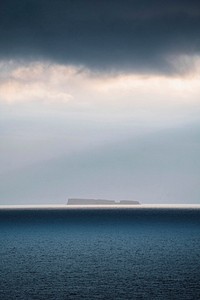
(100, 254)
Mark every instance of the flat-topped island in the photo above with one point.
(80, 201)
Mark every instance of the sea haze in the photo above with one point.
(147, 253)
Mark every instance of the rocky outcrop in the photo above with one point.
(79, 201)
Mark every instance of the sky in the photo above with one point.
(99, 99)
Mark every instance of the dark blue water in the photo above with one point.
(100, 254)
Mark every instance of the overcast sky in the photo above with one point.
(99, 99)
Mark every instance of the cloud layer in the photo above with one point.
(144, 36)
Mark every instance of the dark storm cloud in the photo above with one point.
(121, 35)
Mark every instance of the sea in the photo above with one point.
(92, 253)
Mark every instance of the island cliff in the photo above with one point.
(79, 201)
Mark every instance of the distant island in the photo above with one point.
(79, 201)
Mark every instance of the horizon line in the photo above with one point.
(94, 206)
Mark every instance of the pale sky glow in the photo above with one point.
(57, 113)
(56, 83)
(151, 100)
